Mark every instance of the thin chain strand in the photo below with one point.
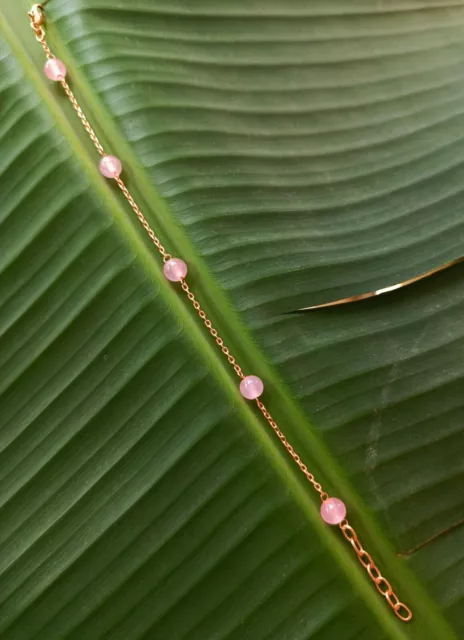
(382, 585)
(82, 117)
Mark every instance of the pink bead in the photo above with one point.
(175, 269)
(55, 69)
(110, 166)
(333, 511)
(251, 387)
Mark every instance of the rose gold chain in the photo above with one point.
(82, 117)
(383, 586)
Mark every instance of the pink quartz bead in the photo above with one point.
(55, 69)
(110, 166)
(175, 269)
(333, 511)
(251, 387)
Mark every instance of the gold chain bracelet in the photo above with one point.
(333, 510)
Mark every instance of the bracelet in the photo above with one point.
(333, 510)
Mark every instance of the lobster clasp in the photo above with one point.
(37, 17)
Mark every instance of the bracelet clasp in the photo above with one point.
(37, 17)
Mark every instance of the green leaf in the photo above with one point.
(292, 153)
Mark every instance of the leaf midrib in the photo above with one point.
(66, 122)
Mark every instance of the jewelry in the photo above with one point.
(333, 510)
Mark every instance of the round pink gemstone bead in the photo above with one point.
(333, 511)
(55, 69)
(251, 387)
(175, 269)
(110, 166)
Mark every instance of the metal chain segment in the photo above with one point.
(82, 117)
(382, 585)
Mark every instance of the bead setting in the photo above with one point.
(55, 69)
(333, 511)
(175, 269)
(110, 167)
(251, 387)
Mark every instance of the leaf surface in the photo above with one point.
(291, 154)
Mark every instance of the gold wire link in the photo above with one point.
(296, 458)
(382, 585)
(145, 224)
(209, 325)
(82, 117)
(403, 612)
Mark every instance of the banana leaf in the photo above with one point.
(292, 153)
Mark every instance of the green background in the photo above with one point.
(291, 153)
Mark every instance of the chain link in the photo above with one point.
(82, 117)
(382, 585)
